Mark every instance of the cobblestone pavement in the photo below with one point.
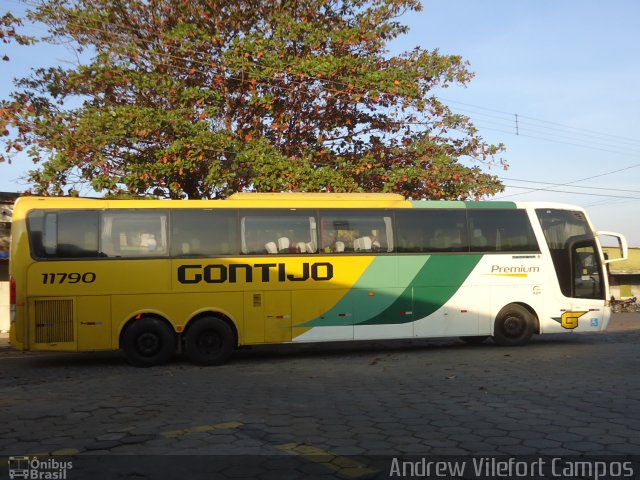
(561, 395)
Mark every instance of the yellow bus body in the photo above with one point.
(97, 312)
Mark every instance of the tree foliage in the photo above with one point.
(203, 98)
(8, 33)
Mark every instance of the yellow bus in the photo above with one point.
(156, 278)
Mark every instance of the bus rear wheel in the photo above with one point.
(147, 342)
(209, 341)
(514, 326)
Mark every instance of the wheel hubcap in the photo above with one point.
(209, 342)
(148, 344)
(513, 326)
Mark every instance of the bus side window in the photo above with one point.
(287, 232)
(361, 231)
(501, 231)
(203, 233)
(64, 234)
(141, 233)
(430, 231)
(78, 234)
(35, 226)
(478, 240)
(446, 240)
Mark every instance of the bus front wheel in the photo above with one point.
(209, 341)
(147, 342)
(514, 326)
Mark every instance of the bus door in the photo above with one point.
(588, 288)
(578, 267)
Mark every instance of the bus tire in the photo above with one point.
(209, 341)
(514, 326)
(148, 342)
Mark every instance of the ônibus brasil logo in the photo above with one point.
(36, 469)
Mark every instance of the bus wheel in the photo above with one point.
(209, 341)
(148, 342)
(514, 326)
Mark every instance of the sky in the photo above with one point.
(568, 71)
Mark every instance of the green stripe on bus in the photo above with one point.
(442, 204)
(376, 278)
(433, 281)
(436, 282)
(458, 204)
(490, 205)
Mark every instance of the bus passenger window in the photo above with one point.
(501, 231)
(203, 233)
(64, 234)
(356, 231)
(289, 232)
(428, 231)
(141, 233)
(446, 240)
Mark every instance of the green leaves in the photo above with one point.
(8, 33)
(202, 99)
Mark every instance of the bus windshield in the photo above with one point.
(574, 252)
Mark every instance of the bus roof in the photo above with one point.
(317, 196)
(283, 200)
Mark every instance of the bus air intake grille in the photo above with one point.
(54, 321)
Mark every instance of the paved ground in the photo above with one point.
(327, 411)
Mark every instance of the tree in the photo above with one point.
(203, 98)
(8, 33)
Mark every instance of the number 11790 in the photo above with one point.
(73, 277)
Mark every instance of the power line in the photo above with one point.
(575, 193)
(606, 203)
(517, 127)
(563, 184)
(548, 189)
(510, 115)
(589, 145)
(611, 199)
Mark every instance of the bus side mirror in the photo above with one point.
(621, 246)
